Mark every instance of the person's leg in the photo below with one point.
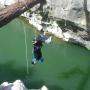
(34, 60)
(39, 55)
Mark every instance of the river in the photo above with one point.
(66, 66)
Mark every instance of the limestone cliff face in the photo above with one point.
(76, 17)
(72, 10)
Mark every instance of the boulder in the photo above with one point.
(17, 85)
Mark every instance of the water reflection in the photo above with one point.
(54, 87)
(71, 72)
(84, 80)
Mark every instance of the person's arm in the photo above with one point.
(34, 42)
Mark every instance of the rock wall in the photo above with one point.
(66, 19)
(72, 10)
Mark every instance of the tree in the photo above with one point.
(11, 12)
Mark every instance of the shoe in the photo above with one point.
(34, 61)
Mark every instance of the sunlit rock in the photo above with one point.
(17, 85)
(44, 88)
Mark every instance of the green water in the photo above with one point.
(66, 66)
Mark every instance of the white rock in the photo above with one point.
(44, 88)
(87, 44)
(26, 14)
(35, 20)
(66, 36)
(17, 85)
(55, 29)
(5, 84)
(35, 7)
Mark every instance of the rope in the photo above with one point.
(28, 8)
(27, 68)
(25, 34)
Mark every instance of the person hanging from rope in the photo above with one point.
(37, 45)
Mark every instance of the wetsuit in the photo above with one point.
(37, 50)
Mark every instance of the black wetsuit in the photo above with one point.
(37, 50)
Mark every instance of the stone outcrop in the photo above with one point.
(17, 85)
(72, 10)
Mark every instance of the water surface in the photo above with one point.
(66, 66)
